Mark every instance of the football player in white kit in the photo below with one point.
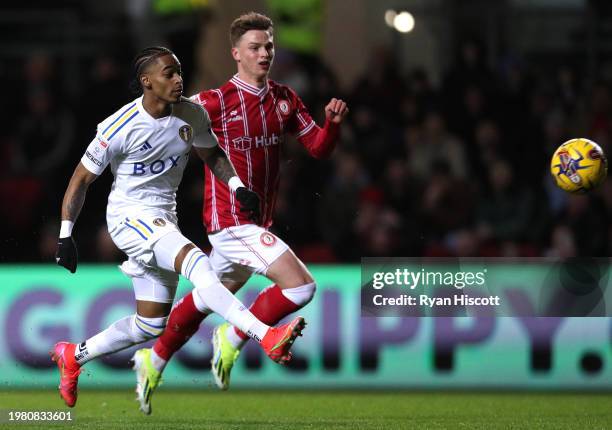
(147, 143)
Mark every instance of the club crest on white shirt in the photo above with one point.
(159, 222)
(186, 133)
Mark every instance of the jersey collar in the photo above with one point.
(156, 122)
(259, 92)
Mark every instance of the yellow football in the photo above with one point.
(578, 166)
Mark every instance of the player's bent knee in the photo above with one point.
(168, 247)
(294, 282)
(301, 295)
(308, 279)
(201, 290)
(305, 275)
(144, 328)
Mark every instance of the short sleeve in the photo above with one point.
(204, 137)
(209, 100)
(98, 154)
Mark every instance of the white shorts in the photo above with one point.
(240, 251)
(136, 236)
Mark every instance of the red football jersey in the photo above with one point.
(250, 124)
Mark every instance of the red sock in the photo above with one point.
(183, 322)
(270, 307)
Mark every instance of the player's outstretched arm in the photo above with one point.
(217, 161)
(321, 143)
(74, 197)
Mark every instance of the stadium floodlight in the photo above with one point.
(403, 22)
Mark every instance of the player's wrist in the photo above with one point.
(234, 183)
(329, 124)
(66, 228)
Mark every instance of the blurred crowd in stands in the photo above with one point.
(455, 169)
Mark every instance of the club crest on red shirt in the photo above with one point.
(283, 105)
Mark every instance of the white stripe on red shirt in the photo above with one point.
(250, 124)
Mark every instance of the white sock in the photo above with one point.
(301, 295)
(210, 294)
(233, 338)
(121, 334)
(158, 363)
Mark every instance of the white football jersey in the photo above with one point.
(147, 156)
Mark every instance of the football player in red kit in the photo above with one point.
(250, 114)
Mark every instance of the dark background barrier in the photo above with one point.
(445, 151)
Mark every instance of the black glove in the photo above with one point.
(66, 254)
(249, 202)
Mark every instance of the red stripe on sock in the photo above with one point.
(183, 322)
(270, 307)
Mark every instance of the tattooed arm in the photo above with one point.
(75, 193)
(217, 161)
(66, 254)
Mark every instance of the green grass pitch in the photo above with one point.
(322, 410)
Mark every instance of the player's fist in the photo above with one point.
(336, 110)
(249, 202)
(66, 254)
